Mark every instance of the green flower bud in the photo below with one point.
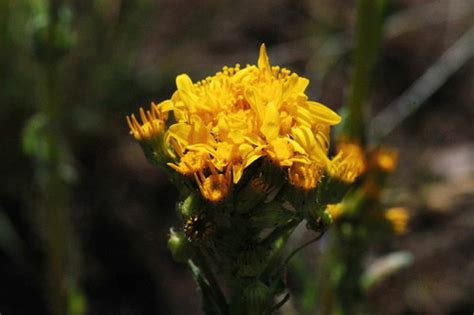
(256, 298)
(190, 206)
(180, 247)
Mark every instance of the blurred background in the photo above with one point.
(109, 57)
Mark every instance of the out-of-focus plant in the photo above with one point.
(52, 40)
(360, 220)
(249, 154)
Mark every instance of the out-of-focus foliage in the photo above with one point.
(126, 53)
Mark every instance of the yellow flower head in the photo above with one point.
(304, 176)
(216, 186)
(348, 163)
(385, 159)
(153, 122)
(398, 217)
(226, 122)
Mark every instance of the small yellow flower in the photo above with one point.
(216, 186)
(398, 217)
(190, 163)
(226, 122)
(385, 159)
(304, 176)
(348, 164)
(153, 122)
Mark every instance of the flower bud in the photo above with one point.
(179, 246)
(256, 298)
(189, 206)
(384, 159)
(150, 132)
(398, 218)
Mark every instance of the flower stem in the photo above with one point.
(366, 41)
(296, 250)
(217, 293)
(53, 187)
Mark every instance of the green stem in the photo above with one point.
(284, 233)
(55, 204)
(296, 250)
(217, 293)
(280, 231)
(366, 41)
(53, 187)
(279, 304)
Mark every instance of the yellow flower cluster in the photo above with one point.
(226, 122)
(398, 218)
(349, 162)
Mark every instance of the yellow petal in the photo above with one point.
(295, 86)
(255, 102)
(237, 172)
(263, 60)
(166, 106)
(179, 132)
(186, 90)
(184, 83)
(199, 132)
(271, 122)
(323, 114)
(305, 137)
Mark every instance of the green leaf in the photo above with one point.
(209, 303)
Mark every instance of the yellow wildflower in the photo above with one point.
(226, 122)
(216, 186)
(348, 164)
(385, 159)
(304, 176)
(398, 217)
(153, 122)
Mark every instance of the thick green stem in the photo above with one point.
(52, 184)
(54, 196)
(342, 261)
(366, 41)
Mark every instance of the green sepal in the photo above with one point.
(251, 262)
(210, 304)
(180, 247)
(331, 190)
(270, 215)
(189, 206)
(256, 298)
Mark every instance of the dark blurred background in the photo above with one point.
(124, 54)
